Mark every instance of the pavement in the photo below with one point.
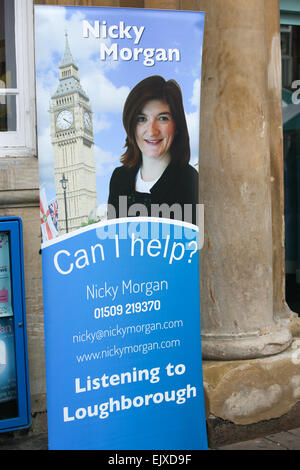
(288, 440)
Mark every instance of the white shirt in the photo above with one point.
(142, 186)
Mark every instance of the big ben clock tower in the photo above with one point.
(73, 145)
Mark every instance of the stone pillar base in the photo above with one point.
(248, 392)
(233, 347)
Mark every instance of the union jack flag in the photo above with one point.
(47, 227)
(53, 208)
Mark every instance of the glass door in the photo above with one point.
(290, 57)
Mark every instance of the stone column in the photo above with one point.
(235, 179)
(235, 184)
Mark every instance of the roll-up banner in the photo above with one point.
(118, 107)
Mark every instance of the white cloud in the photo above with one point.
(192, 120)
(100, 123)
(50, 30)
(104, 95)
(46, 168)
(195, 99)
(105, 161)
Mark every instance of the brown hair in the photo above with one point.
(155, 88)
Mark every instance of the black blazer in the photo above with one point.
(178, 184)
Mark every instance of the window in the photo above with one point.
(17, 105)
(286, 54)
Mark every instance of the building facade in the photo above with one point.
(250, 336)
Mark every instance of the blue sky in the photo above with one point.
(107, 83)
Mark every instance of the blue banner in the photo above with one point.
(118, 161)
(123, 344)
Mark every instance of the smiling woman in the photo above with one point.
(156, 171)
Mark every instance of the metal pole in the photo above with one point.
(66, 210)
(63, 182)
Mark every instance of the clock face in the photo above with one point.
(64, 119)
(87, 120)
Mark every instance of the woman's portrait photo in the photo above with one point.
(156, 177)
